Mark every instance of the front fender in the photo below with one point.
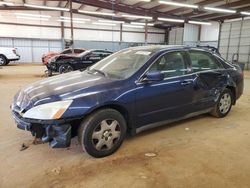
(88, 102)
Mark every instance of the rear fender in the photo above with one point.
(229, 84)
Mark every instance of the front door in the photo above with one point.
(88, 60)
(170, 98)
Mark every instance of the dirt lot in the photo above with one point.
(199, 152)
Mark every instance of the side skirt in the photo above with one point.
(161, 123)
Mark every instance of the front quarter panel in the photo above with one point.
(88, 101)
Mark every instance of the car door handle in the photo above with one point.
(186, 82)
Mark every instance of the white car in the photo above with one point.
(7, 55)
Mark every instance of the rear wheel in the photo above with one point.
(3, 60)
(65, 68)
(102, 133)
(224, 104)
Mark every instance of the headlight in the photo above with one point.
(48, 111)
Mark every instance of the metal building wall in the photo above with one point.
(176, 36)
(235, 38)
(31, 50)
(109, 45)
(191, 34)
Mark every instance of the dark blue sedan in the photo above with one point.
(127, 92)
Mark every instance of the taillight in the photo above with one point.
(14, 51)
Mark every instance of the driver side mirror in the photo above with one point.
(153, 76)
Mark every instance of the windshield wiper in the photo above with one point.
(100, 72)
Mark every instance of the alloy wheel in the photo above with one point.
(225, 103)
(106, 135)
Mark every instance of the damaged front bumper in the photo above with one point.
(51, 67)
(56, 132)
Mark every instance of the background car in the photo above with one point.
(7, 55)
(66, 63)
(68, 51)
(128, 92)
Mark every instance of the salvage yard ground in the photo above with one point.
(199, 152)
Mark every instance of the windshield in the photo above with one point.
(122, 64)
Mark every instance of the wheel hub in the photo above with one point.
(107, 134)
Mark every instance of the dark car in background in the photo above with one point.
(68, 51)
(128, 92)
(64, 64)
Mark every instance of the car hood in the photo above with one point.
(63, 87)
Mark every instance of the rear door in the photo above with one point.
(95, 56)
(210, 78)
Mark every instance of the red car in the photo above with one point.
(68, 51)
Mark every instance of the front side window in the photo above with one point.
(171, 64)
(203, 61)
(78, 51)
(68, 51)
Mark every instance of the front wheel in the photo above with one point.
(102, 133)
(65, 68)
(49, 73)
(224, 104)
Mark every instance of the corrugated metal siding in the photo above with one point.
(31, 50)
(176, 36)
(112, 46)
(235, 38)
(191, 33)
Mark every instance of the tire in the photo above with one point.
(224, 104)
(102, 133)
(49, 73)
(65, 68)
(3, 60)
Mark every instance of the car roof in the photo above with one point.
(91, 50)
(74, 49)
(157, 48)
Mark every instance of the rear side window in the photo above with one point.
(203, 61)
(171, 64)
